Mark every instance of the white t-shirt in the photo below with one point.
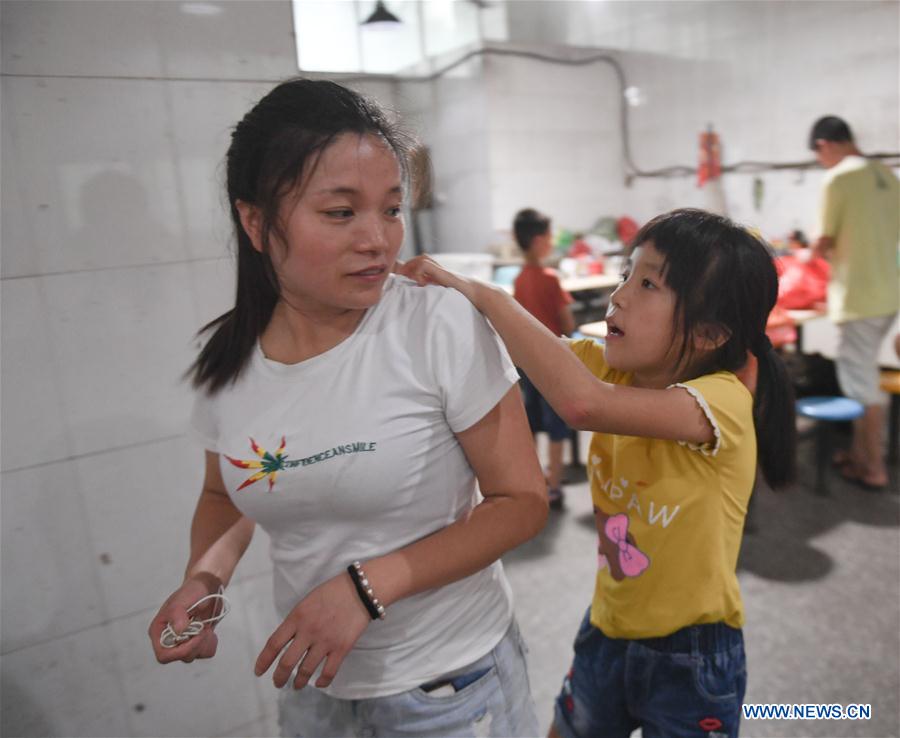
(360, 442)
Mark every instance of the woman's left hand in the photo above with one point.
(324, 626)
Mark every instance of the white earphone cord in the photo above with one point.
(169, 638)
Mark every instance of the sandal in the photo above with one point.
(856, 479)
(555, 498)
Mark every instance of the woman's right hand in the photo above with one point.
(174, 612)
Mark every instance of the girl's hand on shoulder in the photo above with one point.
(322, 628)
(174, 612)
(424, 270)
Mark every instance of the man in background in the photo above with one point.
(860, 229)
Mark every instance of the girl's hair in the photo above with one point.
(272, 149)
(725, 285)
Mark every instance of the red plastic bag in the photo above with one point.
(627, 229)
(802, 284)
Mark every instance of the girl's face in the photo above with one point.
(342, 234)
(640, 320)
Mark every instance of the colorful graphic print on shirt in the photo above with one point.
(617, 550)
(270, 464)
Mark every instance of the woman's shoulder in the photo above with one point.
(431, 300)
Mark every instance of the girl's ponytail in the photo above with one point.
(724, 276)
(774, 417)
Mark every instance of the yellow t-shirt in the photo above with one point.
(861, 212)
(670, 515)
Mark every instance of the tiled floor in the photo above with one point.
(821, 583)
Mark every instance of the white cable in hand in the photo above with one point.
(169, 638)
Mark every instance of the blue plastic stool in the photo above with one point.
(826, 411)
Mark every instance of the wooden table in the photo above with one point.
(580, 284)
(589, 292)
(590, 282)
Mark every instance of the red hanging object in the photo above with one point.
(627, 229)
(710, 166)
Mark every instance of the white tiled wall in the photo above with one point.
(51, 578)
(107, 181)
(553, 140)
(70, 686)
(451, 117)
(32, 427)
(761, 72)
(115, 119)
(245, 40)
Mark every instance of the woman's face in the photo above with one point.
(344, 230)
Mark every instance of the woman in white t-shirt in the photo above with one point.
(350, 414)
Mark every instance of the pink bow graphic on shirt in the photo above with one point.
(632, 561)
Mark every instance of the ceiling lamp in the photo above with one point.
(381, 15)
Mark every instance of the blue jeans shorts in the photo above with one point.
(541, 417)
(490, 697)
(689, 684)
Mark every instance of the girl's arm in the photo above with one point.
(581, 400)
(219, 537)
(331, 618)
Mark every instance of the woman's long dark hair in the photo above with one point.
(271, 150)
(724, 280)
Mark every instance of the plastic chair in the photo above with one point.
(890, 382)
(827, 411)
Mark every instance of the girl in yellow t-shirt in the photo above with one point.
(684, 399)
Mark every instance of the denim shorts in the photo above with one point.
(541, 417)
(490, 697)
(689, 684)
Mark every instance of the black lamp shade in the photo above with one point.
(381, 15)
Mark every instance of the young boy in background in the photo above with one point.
(539, 291)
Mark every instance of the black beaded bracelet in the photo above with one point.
(366, 595)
